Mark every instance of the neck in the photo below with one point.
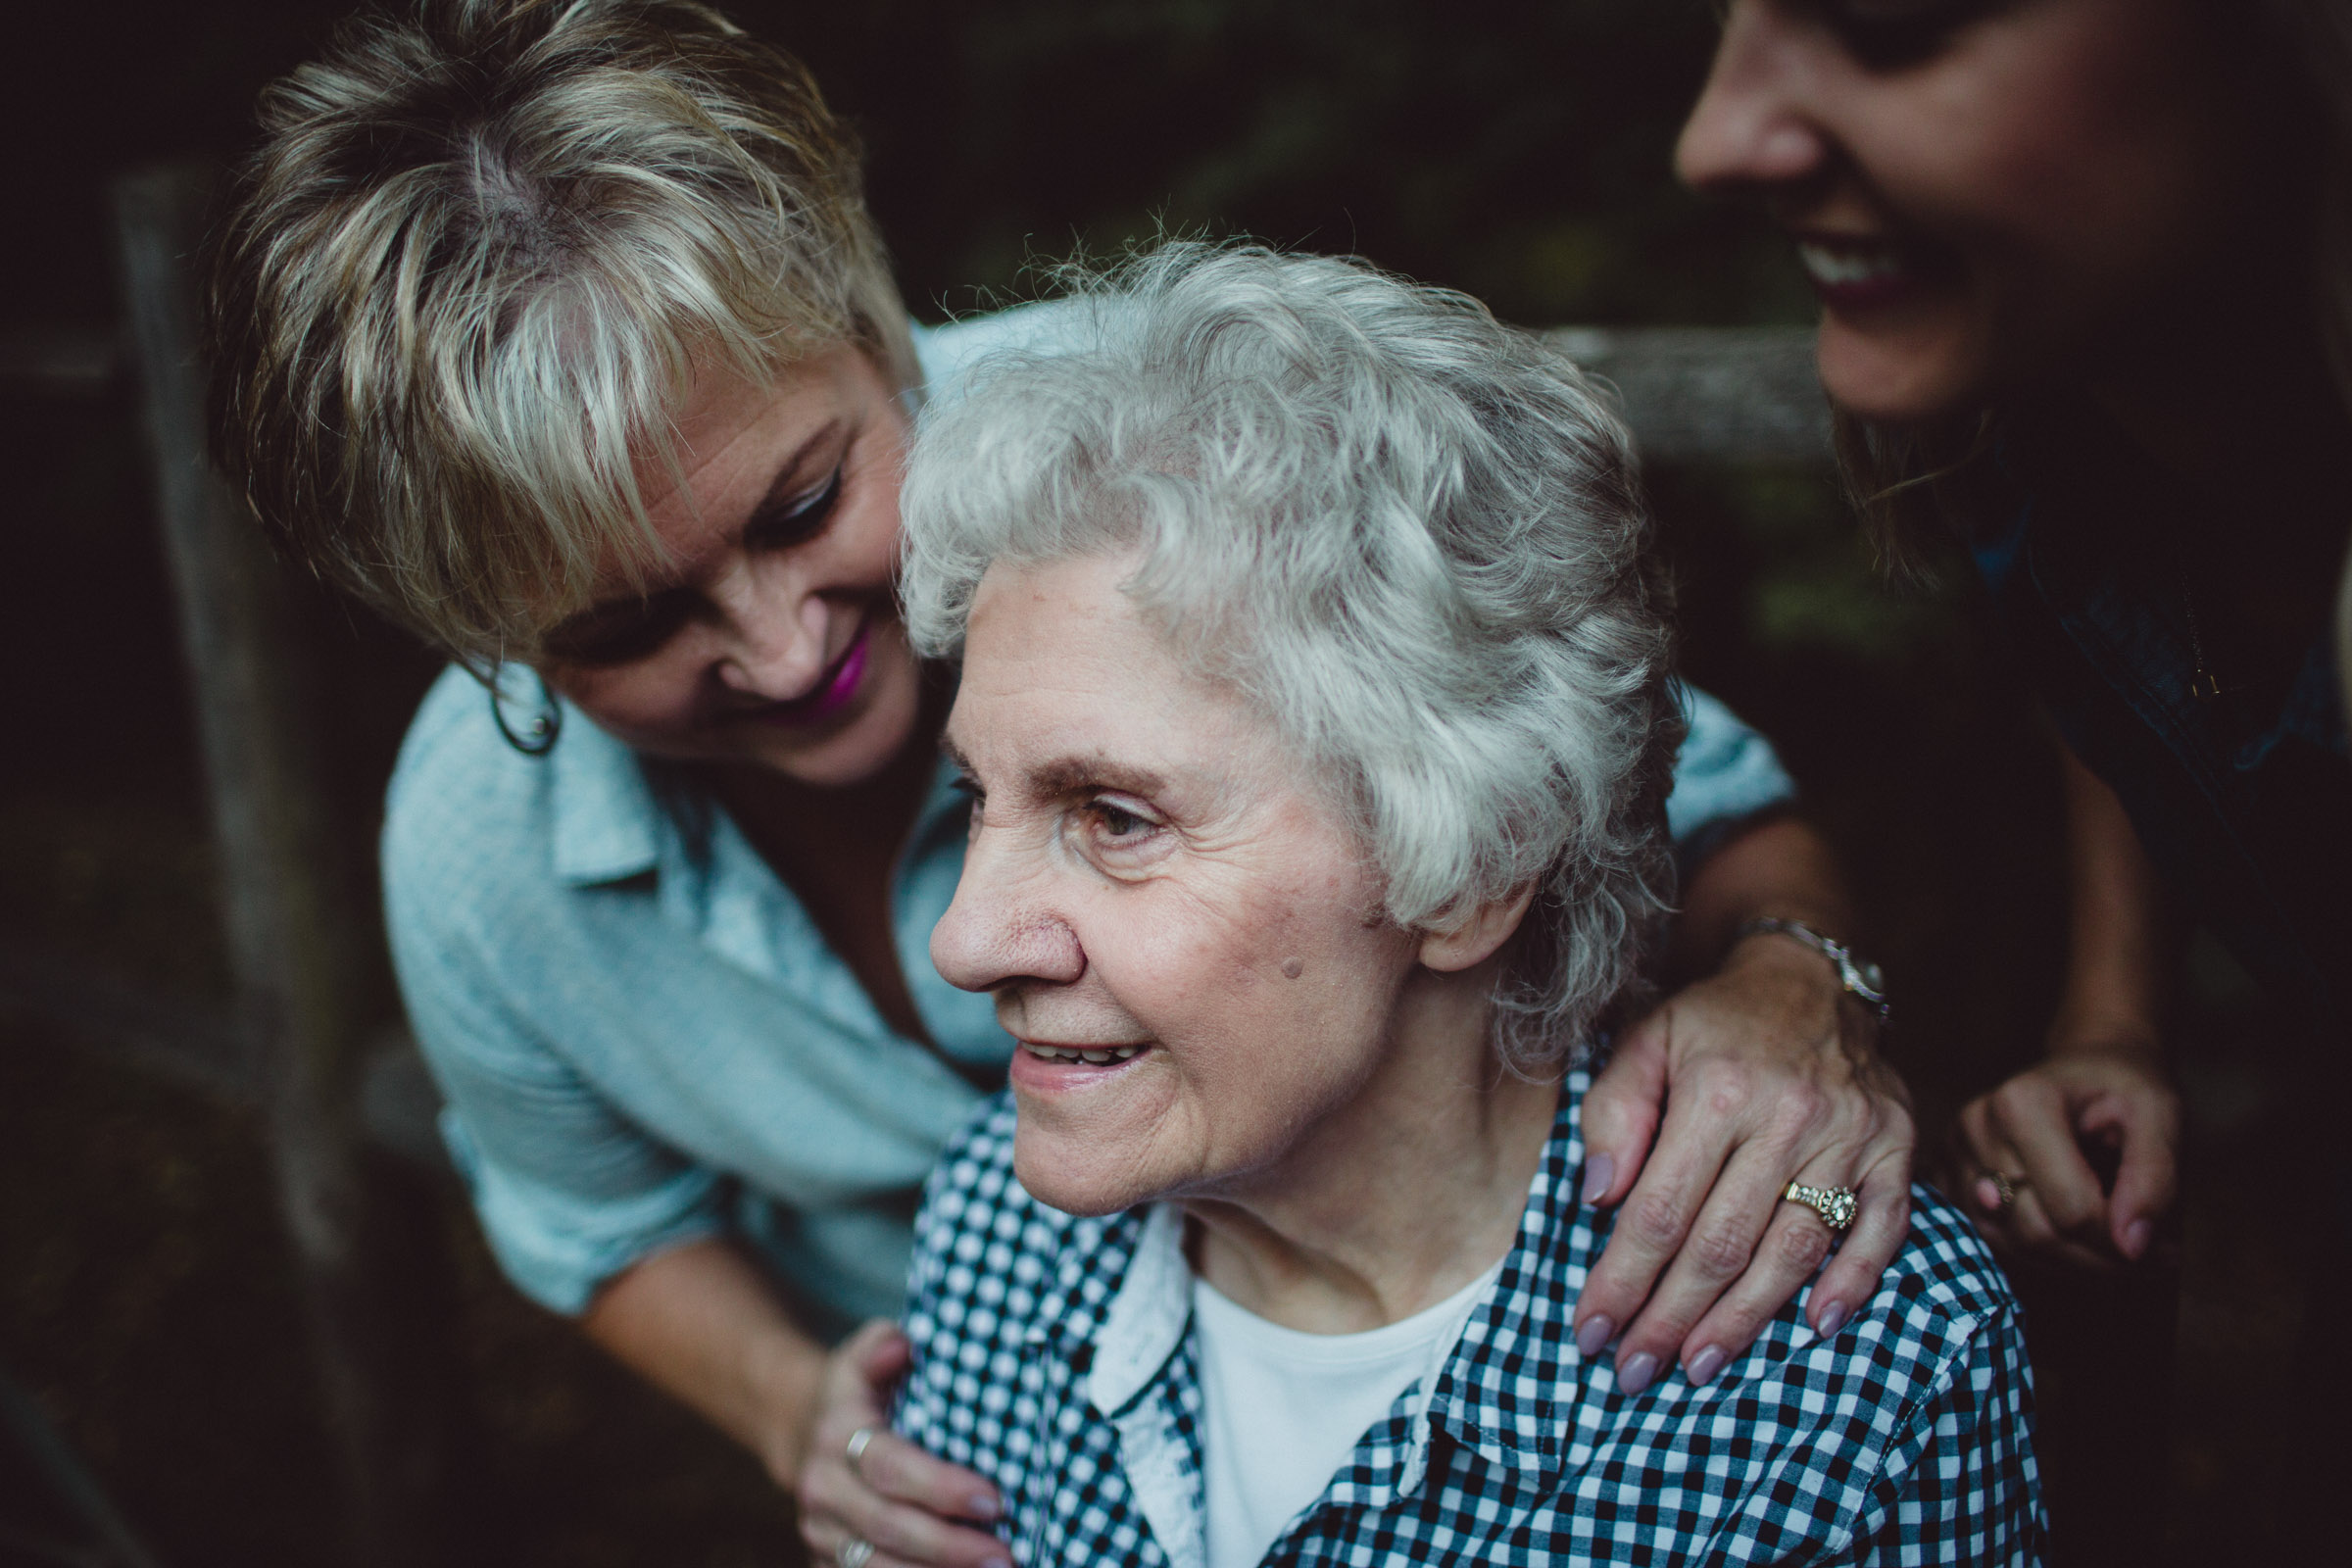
(1403, 1197)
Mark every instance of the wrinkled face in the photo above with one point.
(771, 635)
(1984, 193)
(1185, 940)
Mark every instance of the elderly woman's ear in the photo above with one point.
(1477, 935)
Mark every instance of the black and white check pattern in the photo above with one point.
(1055, 1356)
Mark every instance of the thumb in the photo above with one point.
(1622, 1109)
(2144, 1184)
(880, 1352)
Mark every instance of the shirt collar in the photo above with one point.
(1514, 1388)
(606, 818)
(612, 814)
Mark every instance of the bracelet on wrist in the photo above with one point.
(1858, 976)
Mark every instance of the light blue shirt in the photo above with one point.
(643, 1039)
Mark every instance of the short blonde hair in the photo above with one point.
(470, 270)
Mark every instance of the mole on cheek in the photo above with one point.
(1293, 968)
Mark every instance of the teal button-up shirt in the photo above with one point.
(642, 1036)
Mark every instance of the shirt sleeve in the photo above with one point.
(1960, 1484)
(1725, 775)
(570, 1191)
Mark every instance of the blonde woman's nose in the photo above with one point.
(776, 633)
(1754, 123)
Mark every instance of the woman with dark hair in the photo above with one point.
(2088, 311)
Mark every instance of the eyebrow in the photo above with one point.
(1070, 775)
(779, 492)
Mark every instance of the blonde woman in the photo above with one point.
(557, 330)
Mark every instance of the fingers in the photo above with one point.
(2029, 1114)
(1651, 1228)
(880, 1352)
(2146, 1180)
(1621, 1111)
(2019, 1220)
(827, 1541)
(1882, 1219)
(894, 1468)
(902, 1500)
(905, 1502)
(1745, 1209)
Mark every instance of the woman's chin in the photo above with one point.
(1083, 1181)
(1091, 1139)
(1901, 369)
(867, 736)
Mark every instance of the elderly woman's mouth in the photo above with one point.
(1082, 1056)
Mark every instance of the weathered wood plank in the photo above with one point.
(293, 932)
(1711, 394)
(57, 360)
(195, 1044)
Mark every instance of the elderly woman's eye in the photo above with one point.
(1117, 822)
(1112, 826)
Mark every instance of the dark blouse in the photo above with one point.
(2242, 801)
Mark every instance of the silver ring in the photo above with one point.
(858, 1441)
(853, 1552)
(1835, 1204)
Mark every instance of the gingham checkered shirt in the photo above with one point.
(1055, 1355)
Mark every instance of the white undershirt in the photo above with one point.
(1282, 1409)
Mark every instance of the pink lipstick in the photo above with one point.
(835, 687)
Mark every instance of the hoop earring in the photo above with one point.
(546, 727)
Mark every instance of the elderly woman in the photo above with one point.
(1316, 709)
(557, 332)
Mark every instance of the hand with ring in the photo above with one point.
(868, 1498)
(1707, 1109)
(2026, 1179)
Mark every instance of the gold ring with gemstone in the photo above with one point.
(2006, 1186)
(1835, 1204)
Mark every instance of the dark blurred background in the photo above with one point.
(1519, 152)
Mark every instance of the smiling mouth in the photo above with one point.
(1854, 272)
(1084, 1056)
(835, 685)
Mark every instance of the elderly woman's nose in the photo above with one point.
(774, 640)
(1754, 123)
(1000, 929)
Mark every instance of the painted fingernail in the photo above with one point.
(1706, 1364)
(1830, 1319)
(1635, 1375)
(1600, 1171)
(984, 1505)
(1989, 1195)
(1599, 1330)
(2135, 1237)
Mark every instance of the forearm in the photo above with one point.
(1782, 869)
(700, 1323)
(2117, 931)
